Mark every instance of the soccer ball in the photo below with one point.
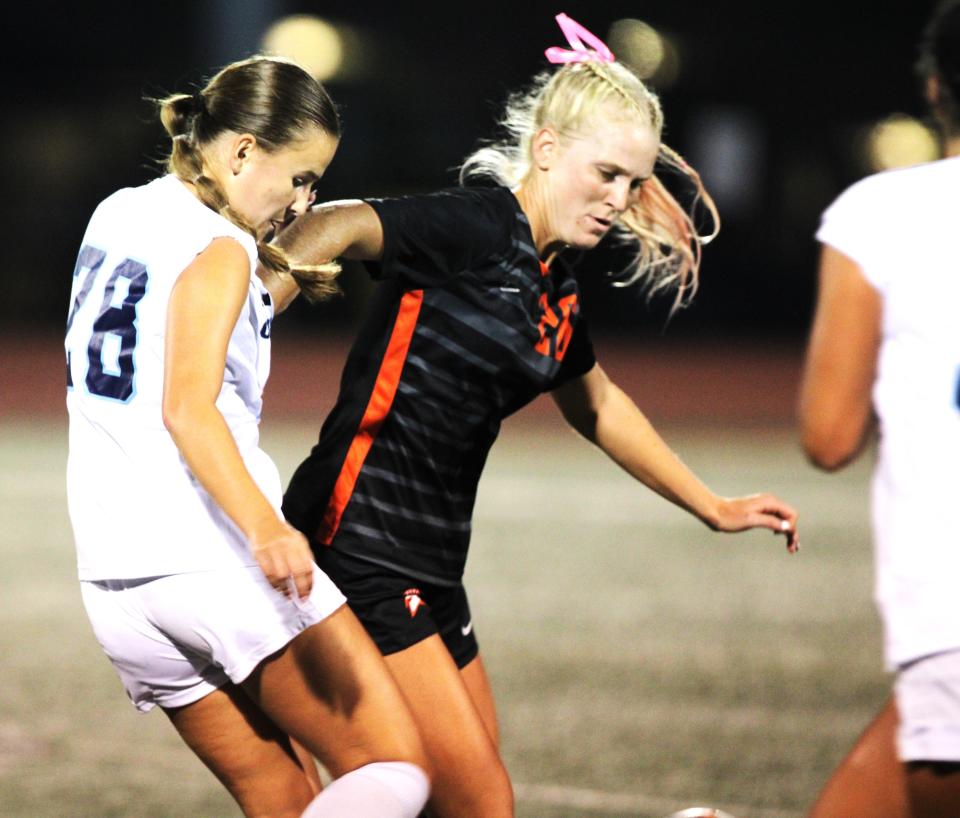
(700, 812)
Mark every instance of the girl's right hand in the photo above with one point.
(283, 554)
(759, 511)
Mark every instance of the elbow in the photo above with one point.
(832, 430)
(178, 413)
(172, 416)
(828, 461)
(829, 450)
(585, 423)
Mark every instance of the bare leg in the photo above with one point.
(475, 677)
(870, 782)
(469, 779)
(933, 789)
(309, 764)
(246, 752)
(330, 690)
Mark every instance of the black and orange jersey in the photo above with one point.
(466, 327)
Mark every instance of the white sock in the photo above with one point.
(384, 789)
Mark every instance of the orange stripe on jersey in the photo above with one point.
(381, 399)
(544, 269)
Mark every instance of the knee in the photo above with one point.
(485, 793)
(404, 743)
(416, 755)
(278, 806)
(272, 796)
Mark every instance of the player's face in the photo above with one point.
(597, 174)
(270, 188)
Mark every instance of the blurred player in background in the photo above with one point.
(206, 601)
(886, 339)
(476, 317)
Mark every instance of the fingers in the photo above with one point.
(302, 582)
(764, 511)
(286, 561)
(787, 518)
(781, 525)
(788, 527)
(793, 540)
(294, 584)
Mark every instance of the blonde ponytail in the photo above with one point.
(665, 236)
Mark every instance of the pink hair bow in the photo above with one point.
(573, 31)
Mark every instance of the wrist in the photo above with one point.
(713, 512)
(262, 528)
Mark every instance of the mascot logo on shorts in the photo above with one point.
(412, 601)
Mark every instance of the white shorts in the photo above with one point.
(928, 703)
(177, 638)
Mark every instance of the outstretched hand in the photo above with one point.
(284, 557)
(759, 511)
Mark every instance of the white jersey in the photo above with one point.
(901, 228)
(136, 509)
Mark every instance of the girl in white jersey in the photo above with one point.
(886, 338)
(205, 600)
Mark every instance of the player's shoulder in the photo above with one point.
(480, 196)
(164, 220)
(915, 181)
(190, 221)
(225, 250)
(117, 204)
(121, 220)
(493, 202)
(451, 229)
(462, 204)
(167, 200)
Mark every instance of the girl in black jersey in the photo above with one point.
(474, 318)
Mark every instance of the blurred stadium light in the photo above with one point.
(899, 141)
(647, 51)
(319, 46)
(728, 145)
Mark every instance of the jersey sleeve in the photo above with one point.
(855, 225)
(580, 357)
(430, 238)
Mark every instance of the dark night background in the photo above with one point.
(803, 78)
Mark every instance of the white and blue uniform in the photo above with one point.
(137, 510)
(900, 227)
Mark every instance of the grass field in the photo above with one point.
(642, 663)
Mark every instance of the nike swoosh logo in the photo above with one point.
(465, 629)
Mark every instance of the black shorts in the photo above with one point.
(398, 611)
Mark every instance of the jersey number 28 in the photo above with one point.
(111, 368)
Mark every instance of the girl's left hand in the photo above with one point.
(759, 511)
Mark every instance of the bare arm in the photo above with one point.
(600, 411)
(345, 229)
(835, 401)
(204, 306)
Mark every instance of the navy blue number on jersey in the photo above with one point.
(90, 259)
(956, 396)
(116, 324)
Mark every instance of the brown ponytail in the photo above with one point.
(273, 99)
